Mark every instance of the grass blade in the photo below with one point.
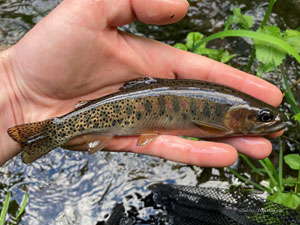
(23, 205)
(246, 180)
(285, 47)
(280, 165)
(266, 165)
(289, 94)
(250, 164)
(297, 187)
(5, 208)
(268, 12)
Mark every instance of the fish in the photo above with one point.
(148, 107)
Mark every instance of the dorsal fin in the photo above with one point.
(80, 103)
(141, 81)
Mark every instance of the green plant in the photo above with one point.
(270, 48)
(192, 40)
(6, 206)
(277, 183)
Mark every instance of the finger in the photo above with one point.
(177, 63)
(188, 65)
(160, 11)
(254, 147)
(200, 153)
(147, 11)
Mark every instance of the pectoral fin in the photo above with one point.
(211, 127)
(96, 142)
(145, 139)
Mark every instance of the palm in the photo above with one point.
(76, 53)
(64, 67)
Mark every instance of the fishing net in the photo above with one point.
(185, 205)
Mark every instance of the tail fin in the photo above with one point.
(34, 140)
(24, 132)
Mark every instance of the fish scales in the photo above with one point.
(134, 116)
(149, 107)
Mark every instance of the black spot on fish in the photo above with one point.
(193, 108)
(175, 103)
(116, 108)
(129, 109)
(120, 121)
(138, 115)
(206, 109)
(148, 106)
(53, 132)
(104, 115)
(60, 125)
(87, 117)
(113, 123)
(162, 105)
(96, 125)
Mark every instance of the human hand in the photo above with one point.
(77, 53)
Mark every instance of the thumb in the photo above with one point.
(148, 11)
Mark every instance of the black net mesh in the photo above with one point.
(185, 205)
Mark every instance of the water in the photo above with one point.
(76, 188)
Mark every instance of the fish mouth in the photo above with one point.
(277, 127)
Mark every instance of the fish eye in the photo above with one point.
(265, 115)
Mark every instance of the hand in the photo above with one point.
(77, 53)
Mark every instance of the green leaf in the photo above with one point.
(225, 56)
(218, 55)
(290, 181)
(181, 46)
(290, 200)
(297, 117)
(263, 68)
(193, 38)
(243, 21)
(191, 138)
(267, 53)
(293, 161)
(292, 37)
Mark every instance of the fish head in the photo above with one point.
(251, 120)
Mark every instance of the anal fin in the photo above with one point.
(96, 142)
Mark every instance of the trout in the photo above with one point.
(147, 107)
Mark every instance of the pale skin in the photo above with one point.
(77, 53)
